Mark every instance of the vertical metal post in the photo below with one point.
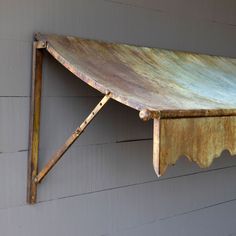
(34, 121)
(156, 145)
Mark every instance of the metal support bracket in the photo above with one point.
(35, 177)
(74, 136)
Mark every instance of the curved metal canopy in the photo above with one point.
(170, 83)
(190, 97)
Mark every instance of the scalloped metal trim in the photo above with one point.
(201, 140)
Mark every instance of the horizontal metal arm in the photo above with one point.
(61, 151)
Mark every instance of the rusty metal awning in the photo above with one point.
(190, 97)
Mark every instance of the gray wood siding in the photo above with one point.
(105, 185)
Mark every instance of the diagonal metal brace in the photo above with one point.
(75, 135)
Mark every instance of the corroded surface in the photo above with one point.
(199, 139)
(170, 83)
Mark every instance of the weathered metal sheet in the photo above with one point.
(169, 83)
(189, 96)
(199, 139)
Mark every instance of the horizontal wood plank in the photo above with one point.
(146, 203)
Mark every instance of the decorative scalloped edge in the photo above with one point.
(200, 140)
(160, 171)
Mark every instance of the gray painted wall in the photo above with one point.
(105, 186)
